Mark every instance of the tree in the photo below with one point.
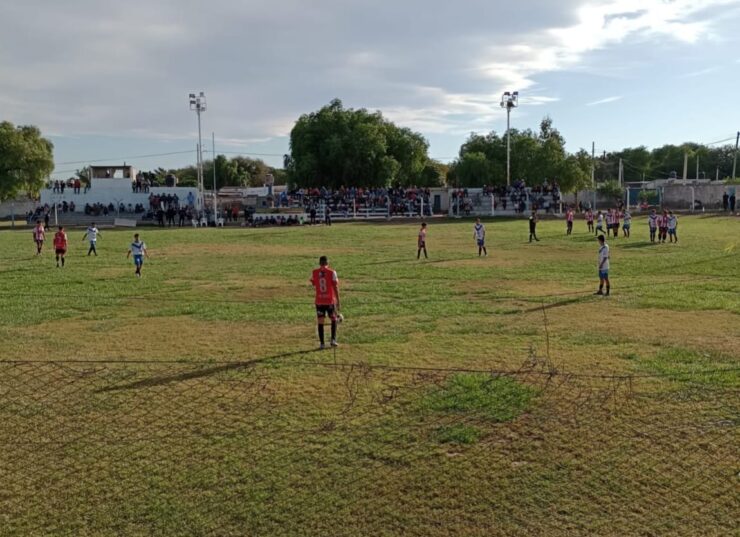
(574, 172)
(473, 170)
(534, 157)
(434, 174)
(336, 147)
(26, 160)
(610, 190)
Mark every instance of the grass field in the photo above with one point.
(469, 396)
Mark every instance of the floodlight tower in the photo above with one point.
(509, 101)
(198, 105)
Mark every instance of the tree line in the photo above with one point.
(337, 146)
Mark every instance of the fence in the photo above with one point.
(325, 448)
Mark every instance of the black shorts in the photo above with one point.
(60, 251)
(324, 310)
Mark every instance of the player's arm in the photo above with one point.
(128, 254)
(335, 285)
(146, 252)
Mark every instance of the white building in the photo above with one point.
(116, 185)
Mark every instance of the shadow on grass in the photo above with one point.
(644, 244)
(161, 381)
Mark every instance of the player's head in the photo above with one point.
(92, 224)
(61, 228)
(423, 224)
(38, 222)
(323, 261)
(136, 236)
(477, 220)
(601, 239)
(670, 212)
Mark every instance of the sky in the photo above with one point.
(109, 81)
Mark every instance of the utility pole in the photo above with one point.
(621, 172)
(198, 105)
(593, 164)
(697, 166)
(685, 165)
(734, 160)
(215, 190)
(509, 101)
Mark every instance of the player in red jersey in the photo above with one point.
(60, 245)
(325, 282)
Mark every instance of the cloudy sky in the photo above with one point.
(107, 80)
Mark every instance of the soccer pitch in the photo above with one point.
(469, 396)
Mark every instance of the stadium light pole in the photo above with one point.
(734, 159)
(198, 105)
(509, 100)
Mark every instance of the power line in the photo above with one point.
(126, 157)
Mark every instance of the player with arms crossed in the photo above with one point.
(569, 215)
(326, 284)
(92, 235)
(60, 245)
(652, 224)
(590, 220)
(603, 266)
(138, 248)
(627, 223)
(479, 233)
(39, 235)
(672, 225)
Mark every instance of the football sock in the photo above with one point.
(321, 333)
(333, 330)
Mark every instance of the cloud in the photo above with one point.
(700, 72)
(83, 67)
(606, 100)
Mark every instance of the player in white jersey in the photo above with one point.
(92, 235)
(479, 234)
(599, 223)
(652, 224)
(627, 223)
(603, 266)
(138, 249)
(672, 226)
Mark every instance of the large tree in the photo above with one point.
(534, 157)
(338, 146)
(26, 160)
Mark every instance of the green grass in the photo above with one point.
(458, 434)
(497, 399)
(193, 401)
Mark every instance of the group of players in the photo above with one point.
(61, 244)
(326, 283)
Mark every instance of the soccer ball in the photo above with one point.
(340, 318)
